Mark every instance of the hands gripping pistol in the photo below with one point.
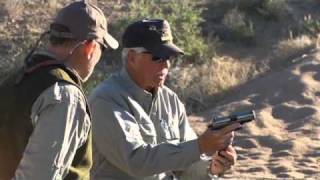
(242, 117)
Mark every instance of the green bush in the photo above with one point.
(238, 24)
(273, 9)
(269, 9)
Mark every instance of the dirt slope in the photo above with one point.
(284, 141)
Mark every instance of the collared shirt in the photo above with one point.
(61, 126)
(138, 135)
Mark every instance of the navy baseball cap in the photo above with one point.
(152, 34)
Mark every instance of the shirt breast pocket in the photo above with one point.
(148, 132)
(170, 130)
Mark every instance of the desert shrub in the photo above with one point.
(267, 8)
(273, 9)
(288, 49)
(230, 21)
(310, 25)
(234, 20)
(239, 25)
(195, 84)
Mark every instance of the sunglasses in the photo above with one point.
(157, 59)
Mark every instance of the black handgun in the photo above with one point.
(242, 117)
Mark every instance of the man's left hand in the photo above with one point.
(223, 160)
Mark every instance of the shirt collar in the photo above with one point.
(136, 91)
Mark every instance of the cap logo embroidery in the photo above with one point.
(152, 28)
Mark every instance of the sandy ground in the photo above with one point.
(284, 141)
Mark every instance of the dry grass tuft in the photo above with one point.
(196, 83)
(289, 48)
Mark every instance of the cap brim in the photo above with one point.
(166, 50)
(109, 41)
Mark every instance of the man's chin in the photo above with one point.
(85, 79)
(160, 84)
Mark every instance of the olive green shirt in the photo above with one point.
(138, 135)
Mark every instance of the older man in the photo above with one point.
(140, 127)
(46, 130)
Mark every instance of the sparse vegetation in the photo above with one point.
(288, 49)
(279, 29)
(237, 23)
(273, 9)
(197, 83)
(311, 26)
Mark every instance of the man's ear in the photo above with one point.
(89, 47)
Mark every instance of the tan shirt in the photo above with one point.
(61, 126)
(137, 135)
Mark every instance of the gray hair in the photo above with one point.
(125, 51)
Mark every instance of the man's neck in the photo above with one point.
(63, 55)
(60, 52)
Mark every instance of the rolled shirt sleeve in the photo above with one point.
(61, 126)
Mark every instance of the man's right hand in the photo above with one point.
(214, 140)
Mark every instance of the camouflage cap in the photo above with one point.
(82, 21)
(152, 34)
